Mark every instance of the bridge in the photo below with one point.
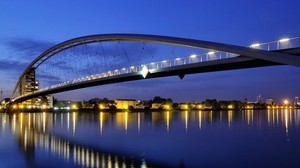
(100, 59)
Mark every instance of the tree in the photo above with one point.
(169, 101)
(213, 104)
(158, 99)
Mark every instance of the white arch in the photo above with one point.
(245, 51)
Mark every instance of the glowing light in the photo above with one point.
(74, 106)
(255, 45)
(14, 106)
(132, 67)
(211, 53)
(164, 61)
(286, 102)
(230, 106)
(284, 40)
(177, 59)
(44, 106)
(193, 56)
(144, 71)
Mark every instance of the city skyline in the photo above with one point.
(26, 35)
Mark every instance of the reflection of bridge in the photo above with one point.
(60, 135)
(34, 136)
(217, 57)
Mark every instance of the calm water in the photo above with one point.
(152, 139)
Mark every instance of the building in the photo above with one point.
(269, 102)
(156, 106)
(28, 85)
(184, 106)
(297, 101)
(128, 104)
(44, 102)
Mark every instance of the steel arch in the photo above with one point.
(245, 51)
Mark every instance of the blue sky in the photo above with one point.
(30, 27)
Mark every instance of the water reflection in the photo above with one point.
(125, 121)
(34, 135)
(61, 135)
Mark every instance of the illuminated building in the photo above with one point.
(156, 106)
(28, 85)
(297, 101)
(44, 100)
(269, 102)
(184, 106)
(125, 103)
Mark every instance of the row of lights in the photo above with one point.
(29, 107)
(109, 73)
(255, 45)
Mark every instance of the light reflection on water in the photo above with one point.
(140, 139)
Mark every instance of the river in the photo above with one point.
(250, 138)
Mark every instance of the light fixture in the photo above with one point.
(193, 56)
(255, 45)
(284, 40)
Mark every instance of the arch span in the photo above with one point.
(280, 58)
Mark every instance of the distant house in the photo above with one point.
(184, 106)
(269, 102)
(156, 106)
(297, 101)
(123, 104)
(193, 105)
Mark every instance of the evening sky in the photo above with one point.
(30, 27)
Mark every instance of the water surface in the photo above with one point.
(151, 139)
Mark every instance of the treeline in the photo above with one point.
(167, 104)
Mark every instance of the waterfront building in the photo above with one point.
(297, 101)
(269, 102)
(43, 102)
(156, 106)
(129, 103)
(184, 106)
(193, 105)
(29, 85)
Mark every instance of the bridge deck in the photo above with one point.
(240, 62)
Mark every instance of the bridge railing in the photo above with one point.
(281, 44)
(195, 58)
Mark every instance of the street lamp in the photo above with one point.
(284, 40)
(255, 45)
